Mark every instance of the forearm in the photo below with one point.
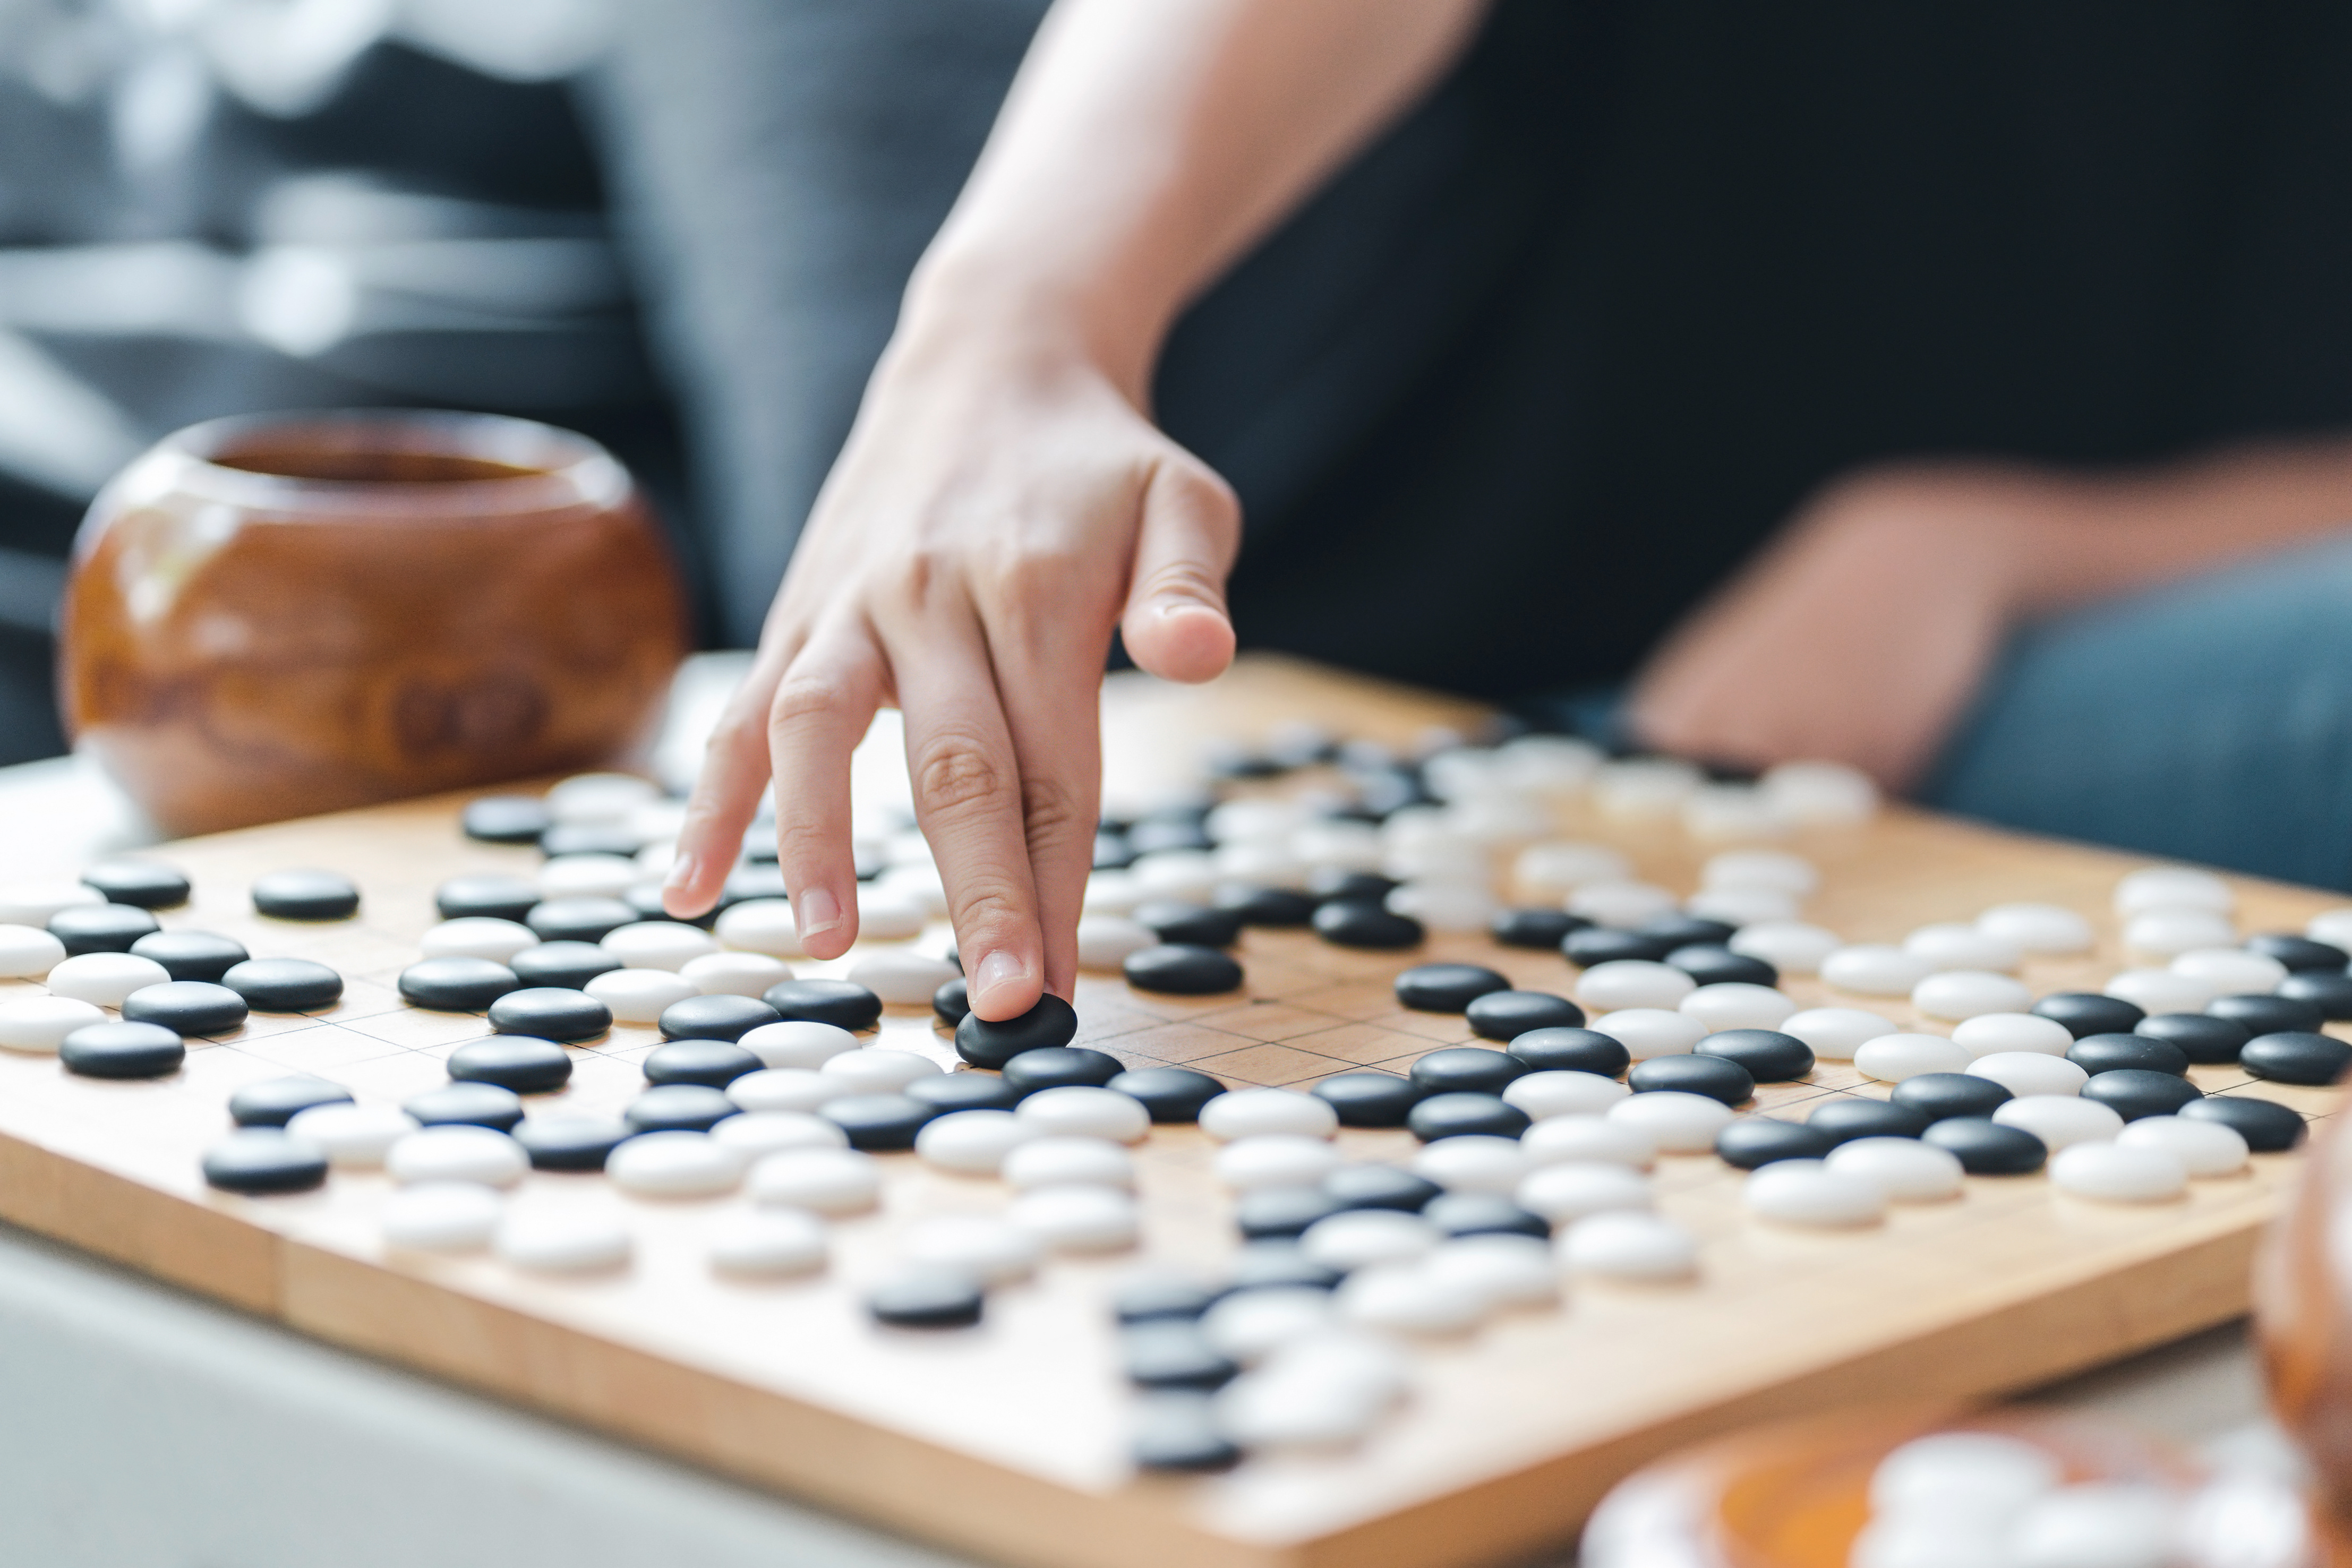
(1148, 143)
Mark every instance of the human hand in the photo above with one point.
(993, 515)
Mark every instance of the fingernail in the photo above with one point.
(682, 871)
(819, 910)
(1000, 969)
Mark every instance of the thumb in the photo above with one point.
(1176, 625)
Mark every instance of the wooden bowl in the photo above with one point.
(285, 614)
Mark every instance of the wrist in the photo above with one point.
(972, 303)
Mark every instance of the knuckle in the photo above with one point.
(956, 773)
(1050, 812)
(801, 699)
(989, 907)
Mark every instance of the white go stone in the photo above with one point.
(1080, 1110)
(890, 913)
(1958, 994)
(1189, 875)
(1807, 1193)
(476, 937)
(2231, 971)
(1274, 1160)
(734, 974)
(2049, 930)
(27, 952)
(1068, 1162)
(1874, 969)
(1553, 764)
(673, 1165)
(1633, 983)
(1403, 1299)
(1251, 1325)
(35, 904)
(2204, 1148)
(2157, 991)
(1983, 1475)
(2098, 1526)
(1988, 1033)
(482, 1155)
(547, 1239)
(784, 1089)
(1112, 893)
(356, 1137)
(1678, 1123)
(992, 1250)
(1474, 1164)
(761, 925)
(42, 1023)
(440, 1217)
(1892, 1057)
(1560, 1093)
(1254, 818)
(1732, 1005)
(639, 995)
(1905, 1170)
(1589, 1139)
(798, 1042)
(767, 1243)
(1503, 1271)
(875, 1071)
(1742, 906)
(755, 1135)
(1776, 870)
(1645, 1032)
(1371, 1368)
(2116, 1173)
(1725, 813)
(2061, 1121)
(103, 979)
(2168, 933)
(1077, 1218)
(1636, 1249)
(587, 876)
(1790, 946)
(2333, 926)
(1254, 1113)
(657, 944)
(971, 1143)
(1453, 908)
(1836, 1033)
(907, 846)
(823, 1181)
(1106, 940)
(1624, 904)
(1821, 794)
(1338, 845)
(1573, 1189)
(1644, 787)
(2023, 1072)
(2173, 887)
(1361, 1238)
(604, 799)
(1555, 870)
(1953, 945)
(1453, 857)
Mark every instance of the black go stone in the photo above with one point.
(284, 984)
(2133, 1092)
(589, 839)
(946, 1091)
(2087, 1012)
(489, 898)
(1173, 1353)
(1940, 1097)
(2299, 953)
(579, 919)
(566, 966)
(839, 1002)
(730, 1017)
(1160, 1298)
(1570, 1050)
(2296, 1057)
(1188, 924)
(1177, 969)
(512, 1061)
(1752, 1142)
(714, 1063)
(1369, 1099)
(1169, 1094)
(1540, 929)
(2197, 1036)
(926, 1299)
(679, 1108)
(878, 1121)
(1719, 965)
(274, 1102)
(549, 1012)
(1051, 1022)
(745, 884)
(1278, 1266)
(1268, 908)
(1162, 832)
(102, 927)
(1678, 931)
(1769, 1056)
(1987, 1147)
(1850, 1117)
(1467, 1069)
(1280, 1212)
(1326, 884)
(187, 1007)
(1372, 1184)
(122, 1051)
(2331, 994)
(1367, 923)
(1483, 1214)
(148, 884)
(951, 1001)
(456, 1104)
(646, 900)
(1061, 1066)
(1716, 1077)
(1604, 945)
(1447, 988)
(571, 1142)
(2271, 1015)
(2265, 1124)
(261, 1160)
(192, 955)
(455, 984)
(1465, 1116)
(505, 820)
(305, 895)
(2098, 1054)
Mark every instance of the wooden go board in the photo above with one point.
(1008, 1441)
